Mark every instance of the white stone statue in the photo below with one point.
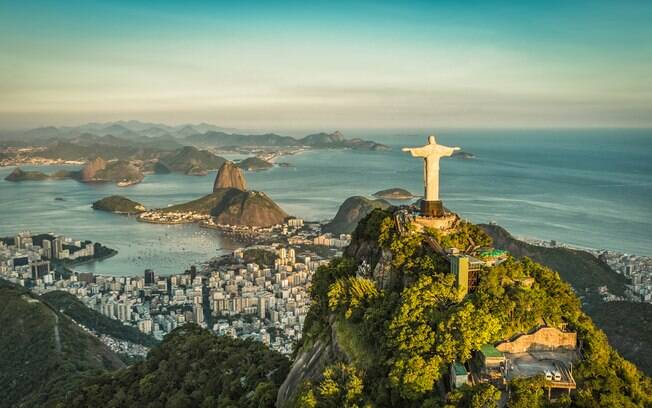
(431, 154)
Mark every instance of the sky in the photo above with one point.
(326, 65)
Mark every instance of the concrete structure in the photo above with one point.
(544, 339)
(548, 352)
(431, 206)
(458, 375)
(491, 358)
(466, 270)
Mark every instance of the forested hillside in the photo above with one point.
(43, 354)
(628, 325)
(392, 327)
(191, 368)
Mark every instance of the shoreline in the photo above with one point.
(42, 163)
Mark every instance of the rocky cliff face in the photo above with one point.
(309, 365)
(91, 168)
(229, 176)
(120, 171)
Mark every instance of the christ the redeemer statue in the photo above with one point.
(431, 153)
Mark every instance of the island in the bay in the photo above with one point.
(395, 193)
(119, 205)
(96, 170)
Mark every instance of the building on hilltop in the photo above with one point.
(467, 271)
(459, 376)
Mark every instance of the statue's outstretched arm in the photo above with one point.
(415, 151)
(448, 151)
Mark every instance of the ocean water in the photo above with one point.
(590, 188)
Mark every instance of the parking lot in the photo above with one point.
(530, 364)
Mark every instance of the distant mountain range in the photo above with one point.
(161, 136)
(317, 140)
(125, 129)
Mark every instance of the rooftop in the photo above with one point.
(459, 369)
(490, 351)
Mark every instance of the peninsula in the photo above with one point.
(228, 204)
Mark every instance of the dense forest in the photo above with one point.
(43, 354)
(398, 341)
(191, 368)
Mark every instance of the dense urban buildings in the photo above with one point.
(259, 291)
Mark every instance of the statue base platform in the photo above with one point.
(432, 208)
(443, 224)
(433, 215)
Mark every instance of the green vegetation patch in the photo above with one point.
(43, 354)
(411, 331)
(118, 204)
(192, 368)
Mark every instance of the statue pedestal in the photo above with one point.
(444, 224)
(432, 208)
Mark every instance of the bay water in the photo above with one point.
(588, 188)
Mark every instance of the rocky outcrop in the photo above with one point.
(190, 160)
(90, 169)
(235, 207)
(352, 210)
(255, 164)
(309, 365)
(120, 171)
(19, 175)
(229, 176)
(251, 208)
(119, 205)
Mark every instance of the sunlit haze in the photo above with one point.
(327, 65)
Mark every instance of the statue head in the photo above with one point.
(432, 140)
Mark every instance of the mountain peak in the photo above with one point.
(230, 176)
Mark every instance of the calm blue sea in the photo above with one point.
(590, 188)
